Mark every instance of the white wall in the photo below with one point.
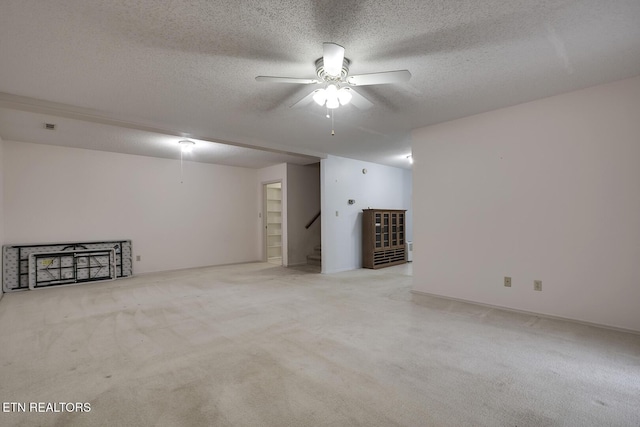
(303, 192)
(407, 197)
(264, 176)
(342, 179)
(546, 190)
(60, 194)
(1, 206)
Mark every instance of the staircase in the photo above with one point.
(316, 257)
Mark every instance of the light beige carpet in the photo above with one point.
(261, 345)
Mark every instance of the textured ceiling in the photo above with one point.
(189, 67)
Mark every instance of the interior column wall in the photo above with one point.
(382, 187)
(547, 190)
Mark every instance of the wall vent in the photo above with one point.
(50, 126)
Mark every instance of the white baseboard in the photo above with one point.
(529, 313)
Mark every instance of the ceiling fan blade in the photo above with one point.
(304, 101)
(332, 58)
(386, 77)
(286, 80)
(360, 101)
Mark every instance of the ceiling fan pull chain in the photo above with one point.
(181, 175)
(333, 132)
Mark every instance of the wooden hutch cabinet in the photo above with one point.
(383, 242)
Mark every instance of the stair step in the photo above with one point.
(318, 248)
(314, 259)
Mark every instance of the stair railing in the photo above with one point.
(313, 220)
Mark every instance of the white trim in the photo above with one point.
(530, 313)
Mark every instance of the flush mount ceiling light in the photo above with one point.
(186, 145)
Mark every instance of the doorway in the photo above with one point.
(272, 196)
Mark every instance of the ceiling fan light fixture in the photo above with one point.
(333, 103)
(332, 96)
(332, 71)
(320, 97)
(344, 95)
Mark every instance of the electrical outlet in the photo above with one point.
(137, 257)
(507, 281)
(537, 285)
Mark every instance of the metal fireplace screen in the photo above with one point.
(46, 265)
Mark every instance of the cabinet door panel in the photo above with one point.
(394, 229)
(378, 229)
(386, 241)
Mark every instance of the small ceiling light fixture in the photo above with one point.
(186, 145)
(410, 157)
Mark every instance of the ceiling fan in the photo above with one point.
(332, 71)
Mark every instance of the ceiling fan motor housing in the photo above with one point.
(323, 76)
